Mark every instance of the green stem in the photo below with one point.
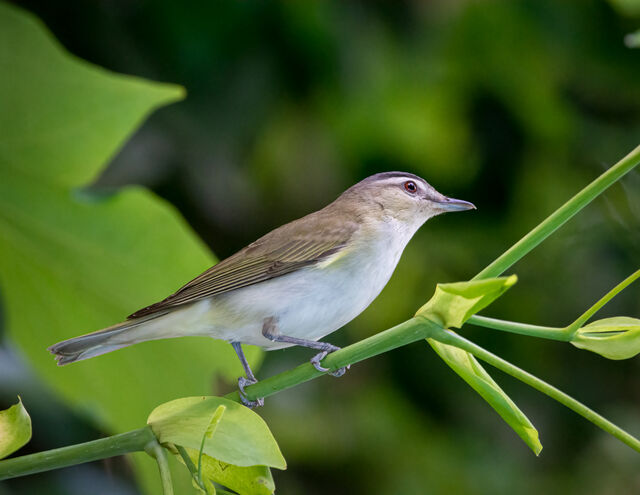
(123, 443)
(564, 334)
(195, 476)
(604, 300)
(155, 450)
(560, 216)
(407, 332)
(413, 330)
(451, 338)
(187, 461)
(552, 333)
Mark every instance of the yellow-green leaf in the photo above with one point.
(613, 338)
(453, 304)
(242, 438)
(15, 429)
(251, 480)
(470, 370)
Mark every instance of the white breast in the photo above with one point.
(310, 303)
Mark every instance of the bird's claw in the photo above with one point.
(251, 404)
(315, 361)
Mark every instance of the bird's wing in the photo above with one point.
(256, 263)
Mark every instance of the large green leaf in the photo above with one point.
(15, 429)
(451, 306)
(74, 262)
(241, 437)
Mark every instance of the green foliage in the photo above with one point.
(15, 428)
(241, 438)
(235, 444)
(251, 480)
(451, 306)
(73, 262)
(613, 338)
(472, 372)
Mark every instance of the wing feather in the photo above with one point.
(253, 265)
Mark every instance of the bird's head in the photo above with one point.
(403, 197)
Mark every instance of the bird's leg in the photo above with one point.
(269, 330)
(249, 380)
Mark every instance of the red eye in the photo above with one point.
(410, 187)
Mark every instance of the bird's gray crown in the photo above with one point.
(392, 175)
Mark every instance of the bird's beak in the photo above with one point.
(451, 204)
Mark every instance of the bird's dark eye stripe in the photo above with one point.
(410, 187)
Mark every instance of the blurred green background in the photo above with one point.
(511, 105)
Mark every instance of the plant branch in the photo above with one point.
(564, 334)
(123, 443)
(553, 333)
(560, 216)
(604, 300)
(450, 338)
(412, 330)
(155, 450)
(405, 333)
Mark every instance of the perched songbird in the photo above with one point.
(293, 286)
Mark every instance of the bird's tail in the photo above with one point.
(100, 342)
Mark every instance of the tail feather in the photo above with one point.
(96, 343)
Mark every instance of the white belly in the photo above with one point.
(308, 304)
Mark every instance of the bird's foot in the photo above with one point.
(251, 404)
(315, 361)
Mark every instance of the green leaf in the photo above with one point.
(453, 304)
(15, 429)
(470, 370)
(73, 263)
(208, 434)
(251, 480)
(613, 338)
(242, 438)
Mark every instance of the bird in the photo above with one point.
(293, 286)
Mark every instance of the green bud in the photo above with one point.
(613, 338)
(453, 304)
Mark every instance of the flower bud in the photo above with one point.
(613, 338)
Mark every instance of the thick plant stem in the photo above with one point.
(413, 330)
(155, 450)
(560, 216)
(553, 333)
(123, 443)
(450, 338)
(407, 332)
